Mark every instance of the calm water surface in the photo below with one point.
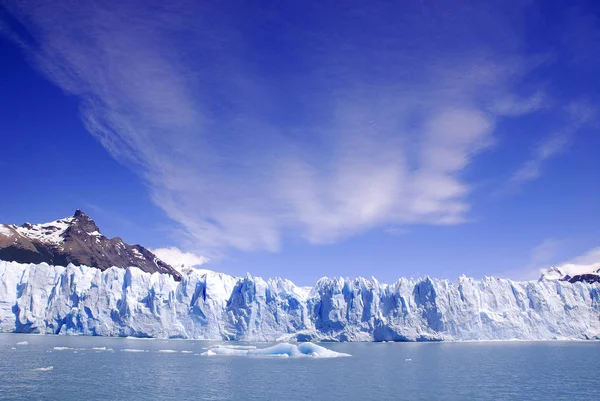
(399, 371)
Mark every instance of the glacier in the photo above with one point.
(79, 300)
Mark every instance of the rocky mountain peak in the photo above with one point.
(77, 240)
(82, 222)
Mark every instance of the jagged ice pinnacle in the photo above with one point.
(39, 298)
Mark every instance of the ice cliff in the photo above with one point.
(38, 298)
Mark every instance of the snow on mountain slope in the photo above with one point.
(129, 302)
(569, 271)
(76, 240)
(49, 233)
(585, 268)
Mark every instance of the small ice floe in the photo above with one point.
(49, 368)
(186, 352)
(62, 348)
(140, 338)
(12, 348)
(134, 350)
(283, 350)
(408, 359)
(167, 351)
(232, 346)
(22, 343)
(101, 349)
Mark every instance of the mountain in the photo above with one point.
(589, 273)
(40, 298)
(77, 240)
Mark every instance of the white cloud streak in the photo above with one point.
(543, 254)
(178, 97)
(178, 258)
(550, 147)
(591, 257)
(553, 145)
(513, 106)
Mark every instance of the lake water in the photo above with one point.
(390, 371)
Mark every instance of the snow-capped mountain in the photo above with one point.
(77, 240)
(41, 298)
(571, 272)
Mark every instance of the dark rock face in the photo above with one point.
(588, 278)
(76, 240)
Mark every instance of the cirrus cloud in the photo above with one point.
(323, 138)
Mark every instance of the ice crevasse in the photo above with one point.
(39, 298)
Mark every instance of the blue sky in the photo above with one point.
(305, 139)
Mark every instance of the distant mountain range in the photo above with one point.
(77, 240)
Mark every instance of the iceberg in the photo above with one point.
(79, 300)
(285, 350)
(244, 347)
(49, 368)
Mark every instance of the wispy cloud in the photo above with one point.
(178, 258)
(514, 106)
(540, 258)
(590, 257)
(397, 230)
(548, 259)
(578, 114)
(319, 138)
(548, 148)
(544, 254)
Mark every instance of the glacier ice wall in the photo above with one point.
(207, 305)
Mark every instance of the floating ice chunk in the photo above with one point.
(167, 351)
(12, 348)
(186, 352)
(296, 351)
(101, 349)
(62, 348)
(225, 351)
(134, 350)
(49, 368)
(408, 359)
(285, 350)
(233, 346)
(22, 343)
(141, 338)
